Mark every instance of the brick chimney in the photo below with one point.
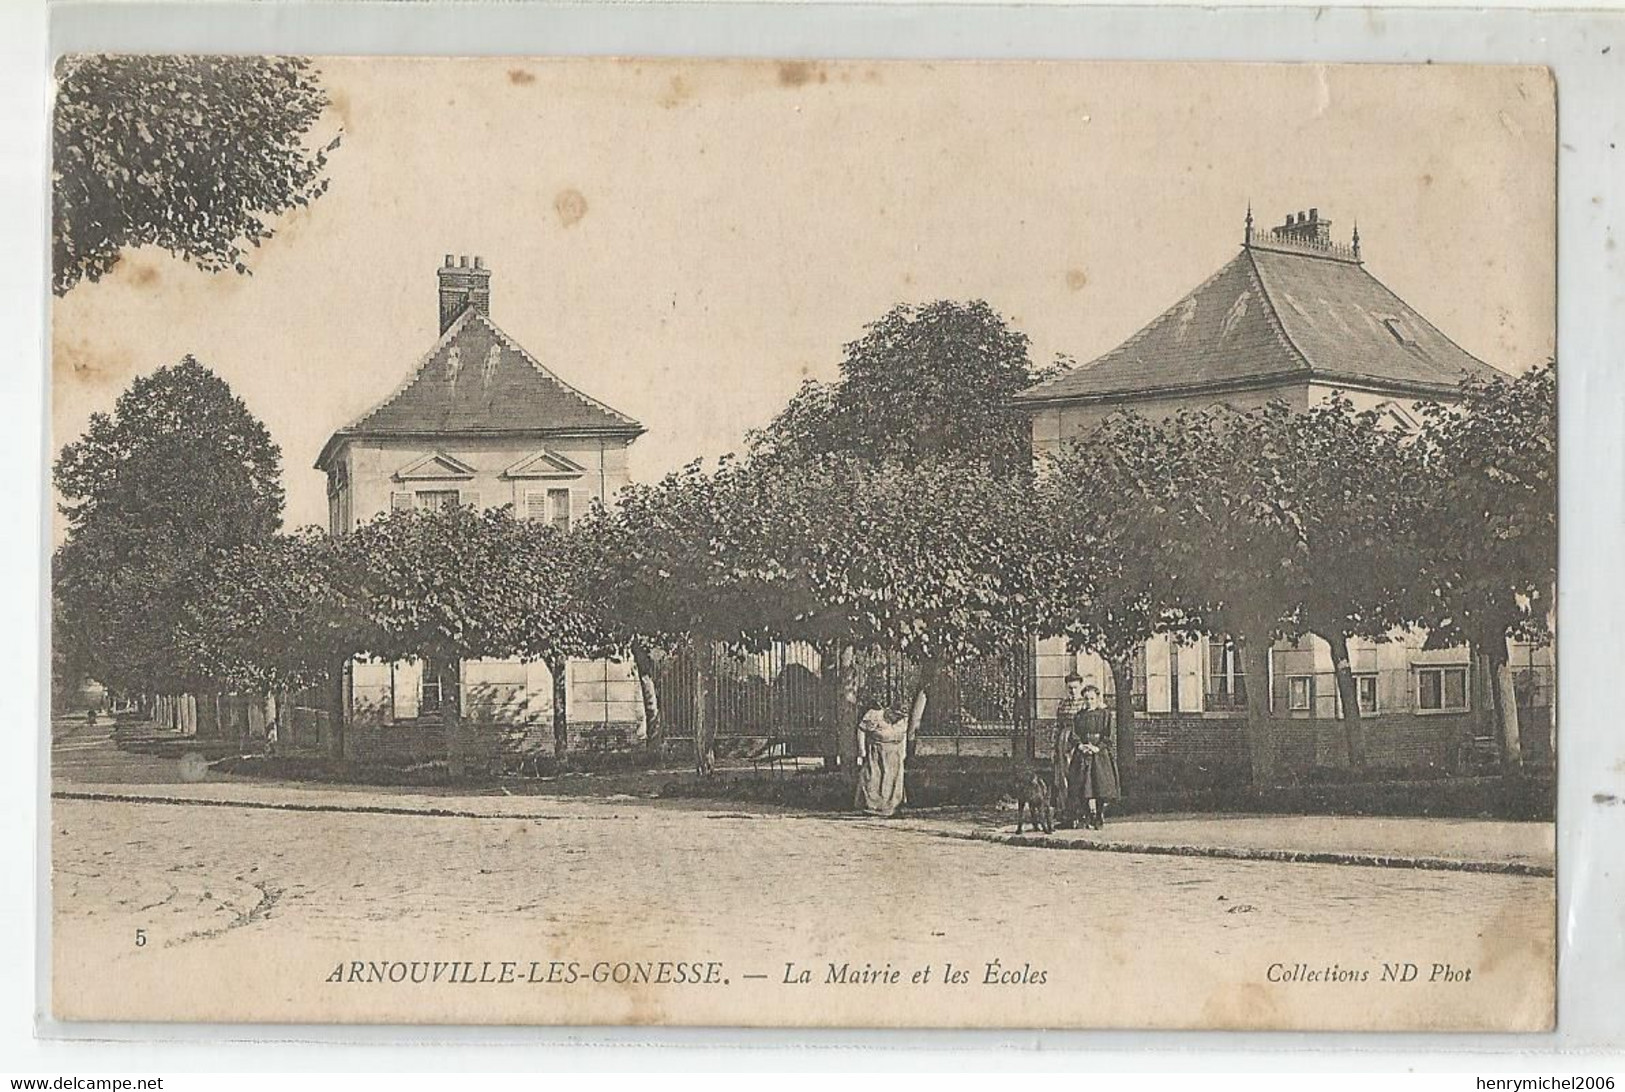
(1305, 228)
(463, 286)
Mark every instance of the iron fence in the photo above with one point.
(785, 695)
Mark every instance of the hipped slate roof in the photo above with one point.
(1274, 315)
(479, 381)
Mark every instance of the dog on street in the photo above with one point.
(1033, 802)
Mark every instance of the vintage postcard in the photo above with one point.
(616, 541)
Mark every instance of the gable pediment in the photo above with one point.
(436, 466)
(1393, 415)
(545, 464)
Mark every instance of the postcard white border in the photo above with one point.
(1583, 48)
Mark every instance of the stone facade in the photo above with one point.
(1428, 708)
(480, 422)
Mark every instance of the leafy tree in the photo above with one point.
(1280, 522)
(925, 383)
(193, 154)
(680, 565)
(441, 586)
(926, 386)
(557, 618)
(179, 475)
(1488, 520)
(929, 560)
(71, 661)
(269, 619)
(1354, 483)
(1101, 567)
(1225, 494)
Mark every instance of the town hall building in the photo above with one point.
(479, 421)
(1294, 316)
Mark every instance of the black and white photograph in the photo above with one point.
(803, 544)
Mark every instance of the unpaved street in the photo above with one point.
(191, 912)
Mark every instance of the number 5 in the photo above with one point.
(140, 938)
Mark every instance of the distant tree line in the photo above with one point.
(895, 510)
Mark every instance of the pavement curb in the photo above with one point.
(363, 809)
(1028, 841)
(1235, 853)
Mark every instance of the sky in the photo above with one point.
(688, 241)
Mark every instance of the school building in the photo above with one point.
(1295, 316)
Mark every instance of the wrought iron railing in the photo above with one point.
(1267, 239)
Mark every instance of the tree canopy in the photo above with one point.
(1488, 515)
(439, 583)
(193, 154)
(689, 558)
(929, 560)
(933, 382)
(178, 476)
(269, 617)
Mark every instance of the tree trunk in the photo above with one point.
(1123, 686)
(845, 711)
(451, 716)
(332, 726)
(1506, 704)
(272, 710)
(829, 690)
(840, 693)
(559, 668)
(1348, 696)
(1485, 724)
(704, 759)
(916, 713)
(654, 729)
(1255, 652)
(204, 706)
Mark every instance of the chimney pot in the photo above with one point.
(463, 287)
(1314, 215)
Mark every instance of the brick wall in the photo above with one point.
(1398, 739)
(1395, 739)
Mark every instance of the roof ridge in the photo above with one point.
(1281, 332)
(548, 374)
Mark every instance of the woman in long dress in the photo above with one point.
(882, 746)
(1100, 783)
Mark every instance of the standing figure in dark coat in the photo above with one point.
(1063, 788)
(1098, 783)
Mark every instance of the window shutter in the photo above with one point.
(1191, 677)
(400, 502)
(408, 679)
(535, 504)
(1158, 657)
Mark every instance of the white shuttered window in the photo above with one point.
(1158, 668)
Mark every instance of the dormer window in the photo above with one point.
(1401, 332)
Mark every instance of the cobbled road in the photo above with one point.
(189, 912)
